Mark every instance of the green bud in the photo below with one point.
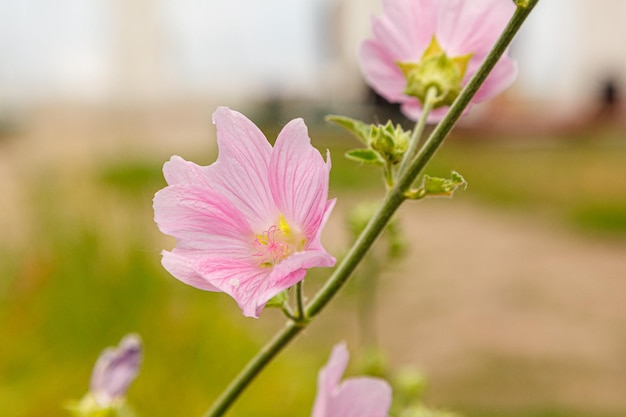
(381, 140)
(435, 70)
(390, 141)
(522, 3)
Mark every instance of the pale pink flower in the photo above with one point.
(250, 223)
(354, 397)
(461, 27)
(114, 370)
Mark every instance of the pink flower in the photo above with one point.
(249, 224)
(114, 370)
(461, 28)
(355, 397)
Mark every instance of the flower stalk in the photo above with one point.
(394, 198)
(416, 135)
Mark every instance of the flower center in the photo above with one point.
(276, 243)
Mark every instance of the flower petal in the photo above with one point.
(282, 275)
(115, 369)
(500, 78)
(178, 171)
(241, 170)
(329, 378)
(361, 397)
(381, 72)
(245, 282)
(299, 179)
(183, 265)
(356, 397)
(200, 218)
(472, 26)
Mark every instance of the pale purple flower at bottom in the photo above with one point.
(250, 224)
(114, 371)
(354, 397)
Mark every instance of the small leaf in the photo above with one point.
(367, 156)
(358, 128)
(434, 186)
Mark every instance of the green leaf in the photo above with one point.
(434, 186)
(358, 128)
(366, 156)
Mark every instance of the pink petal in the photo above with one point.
(501, 78)
(200, 218)
(355, 397)
(299, 179)
(381, 71)
(329, 378)
(245, 282)
(241, 170)
(316, 243)
(183, 265)
(177, 171)
(361, 397)
(472, 26)
(282, 276)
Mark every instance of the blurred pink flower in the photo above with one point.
(114, 370)
(461, 27)
(249, 224)
(355, 397)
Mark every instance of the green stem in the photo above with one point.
(301, 314)
(431, 96)
(377, 224)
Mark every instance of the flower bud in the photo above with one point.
(114, 370)
(389, 141)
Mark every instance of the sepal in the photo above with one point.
(438, 187)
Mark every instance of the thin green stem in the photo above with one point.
(416, 135)
(301, 313)
(375, 227)
(388, 174)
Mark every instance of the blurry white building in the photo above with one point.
(146, 50)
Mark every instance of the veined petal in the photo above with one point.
(299, 179)
(242, 166)
(406, 27)
(472, 25)
(183, 265)
(316, 243)
(246, 283)
(178, 171)
(281, 276)
(203, 219)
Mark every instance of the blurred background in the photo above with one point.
(509, 299)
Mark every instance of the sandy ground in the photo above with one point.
(503, 309)
(495, 308)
